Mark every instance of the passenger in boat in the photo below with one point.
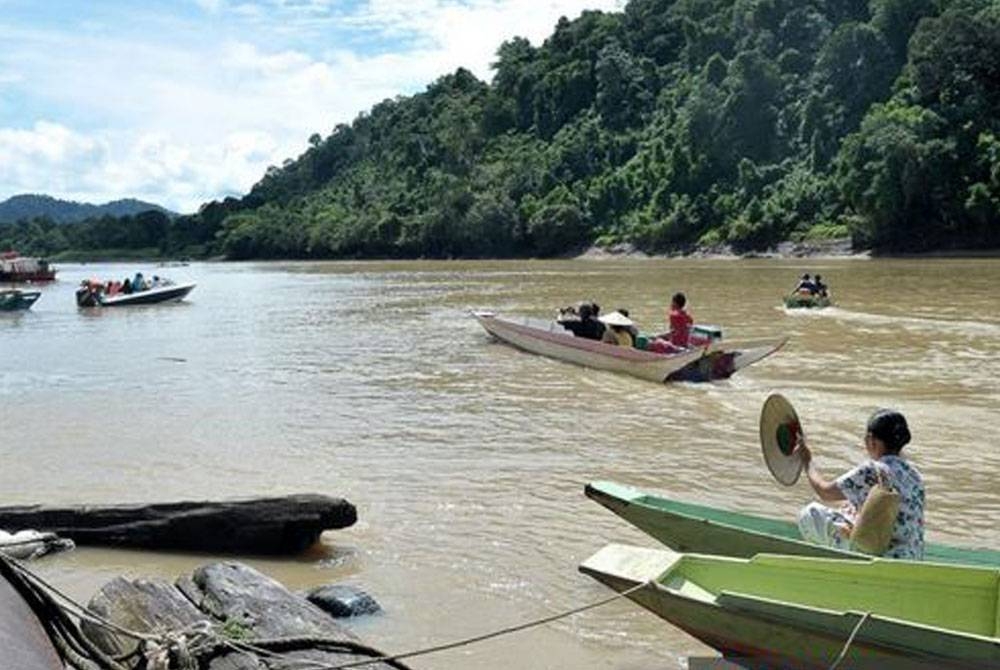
(886, 435)
(633, 329)
(587, 324)
(678, 338)
(618, 329)
(138, 283)
(806, 285)
(126, 286)
(821, 289)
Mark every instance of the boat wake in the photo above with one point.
(977, 328)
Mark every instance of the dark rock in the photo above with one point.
(242, 604)
(282, 525)
(343, 600)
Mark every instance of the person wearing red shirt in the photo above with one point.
(680, 321)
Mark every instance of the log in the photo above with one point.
(243, 603)
(282, 525)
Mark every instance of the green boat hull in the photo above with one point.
(801, 611)
(15, 301)
(708, 530)
(807, 301)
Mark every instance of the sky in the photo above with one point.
(185, 101)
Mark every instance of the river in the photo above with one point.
(467, 458)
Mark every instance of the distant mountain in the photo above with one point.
(30, 206)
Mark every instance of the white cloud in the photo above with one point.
(181, 118)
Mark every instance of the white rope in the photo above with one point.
(850, 640)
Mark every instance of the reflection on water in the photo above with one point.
(467, 458)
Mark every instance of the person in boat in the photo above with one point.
(618, 330)
(821, 288)
(806, 285)
(126, 286)
(680, 321)
(886, 435)
(586, 323)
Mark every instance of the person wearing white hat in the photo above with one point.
(618, 329)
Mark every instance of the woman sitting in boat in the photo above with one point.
(821, 288)
(619, 329)
(886, 436)
(585, 324)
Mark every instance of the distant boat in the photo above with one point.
(14, 300)
(807, 301)
(713, 360)
(790, 611)
(90, 295)
(17, 268)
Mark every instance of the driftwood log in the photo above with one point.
(283, 525)
(242, 604)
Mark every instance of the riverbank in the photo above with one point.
(832, 248)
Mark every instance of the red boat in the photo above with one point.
(17, 268)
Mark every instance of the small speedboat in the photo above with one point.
(795, 612)
(92, 294)
(13, 300)
(802, 300)
(685, 526)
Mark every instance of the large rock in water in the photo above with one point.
(343, 600)
(242, 604)
(284, 525)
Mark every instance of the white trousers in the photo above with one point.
(821, 525)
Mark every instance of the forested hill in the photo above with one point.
(30, 206)
(672, 124)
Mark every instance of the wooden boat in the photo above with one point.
(708, 530)
(24, 642)
(714, 360)
(807, 301)
(17, 268)
(88, 297)
(552, 340)
(13, 300)
(801, 612)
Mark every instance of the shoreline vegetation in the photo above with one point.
(672, 126)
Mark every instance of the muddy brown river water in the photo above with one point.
(467, 458)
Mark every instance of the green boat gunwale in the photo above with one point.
(616, 496)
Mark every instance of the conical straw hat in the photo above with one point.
(780, 432)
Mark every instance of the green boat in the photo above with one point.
(801, 612)
(805, 301)
(13, 300)
(708, 530)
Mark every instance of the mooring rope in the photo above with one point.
(850, 640)
(316, 665)
(205, 640)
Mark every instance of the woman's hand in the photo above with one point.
(803, 451)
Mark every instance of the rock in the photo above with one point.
(284, 525)
(243, 605)
(343, 600)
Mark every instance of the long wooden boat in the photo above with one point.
(14, 300)
(715, 360)
(169, 293)
(801, 612)
(552, 340)
(707, 530)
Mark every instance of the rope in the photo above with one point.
(478, 638)
(850, 640)
(75, 646)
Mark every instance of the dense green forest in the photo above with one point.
(671, 125)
